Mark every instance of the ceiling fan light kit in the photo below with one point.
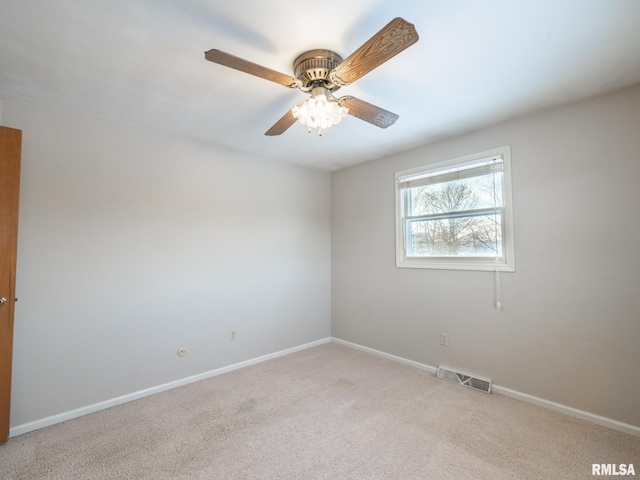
(322, 72)
(320, 111)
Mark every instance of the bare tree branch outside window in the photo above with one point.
(461, 217)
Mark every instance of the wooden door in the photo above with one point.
(10, 151)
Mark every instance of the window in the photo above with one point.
(456, 214)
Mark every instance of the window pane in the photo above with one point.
(468, 194)
(456, 214)
(472, 236)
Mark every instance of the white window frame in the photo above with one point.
(506, 263)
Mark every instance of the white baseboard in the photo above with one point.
(388, 356)
(524, 397)
(62, 417)
(79, 412)
(572, 412)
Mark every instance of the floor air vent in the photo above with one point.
(471, 381)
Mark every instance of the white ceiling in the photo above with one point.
(477, 62)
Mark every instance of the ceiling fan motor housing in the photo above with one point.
(314, 66)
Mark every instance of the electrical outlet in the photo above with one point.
(181, 352)
(233, 335)
(444, 339)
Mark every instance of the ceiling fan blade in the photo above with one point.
(282, 125)
(395, 37)
(237, 63)
(369, 113)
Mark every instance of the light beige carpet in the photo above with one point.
(329, 412)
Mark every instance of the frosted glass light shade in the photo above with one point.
(319, 111)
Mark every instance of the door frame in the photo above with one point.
(10, 155)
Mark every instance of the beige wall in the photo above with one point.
(135, 242)
(570, 329)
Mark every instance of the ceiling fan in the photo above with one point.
(322, 72)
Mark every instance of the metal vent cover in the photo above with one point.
(465, 379)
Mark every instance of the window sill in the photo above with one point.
(487, 265)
